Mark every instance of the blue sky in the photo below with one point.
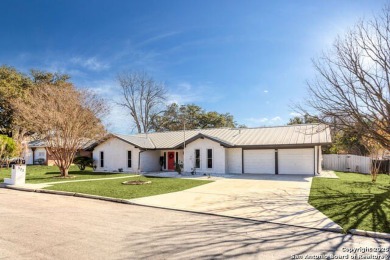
(248, 58)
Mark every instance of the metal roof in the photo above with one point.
(43, 143)
(292, 135)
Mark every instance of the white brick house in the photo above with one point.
(292, 149)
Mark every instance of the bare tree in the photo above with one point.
(143, 97)
(64, 117)
(352, 85)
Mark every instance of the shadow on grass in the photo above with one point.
(51, 175)
(358, 205)
(83, 173)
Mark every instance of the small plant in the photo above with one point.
(178, 167)
(120, 170)
(39, 161)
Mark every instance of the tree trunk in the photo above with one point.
(64, 172)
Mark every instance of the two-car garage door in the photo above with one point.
(289, 161)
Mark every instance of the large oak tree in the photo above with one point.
(174, 117)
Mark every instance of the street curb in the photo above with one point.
(369, 233)
(65, 193)
(20, 188)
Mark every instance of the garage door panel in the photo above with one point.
(296, 161)
(259, 161)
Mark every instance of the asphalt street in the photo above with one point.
(45, 226)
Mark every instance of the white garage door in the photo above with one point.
(296, 161)
(259, 161)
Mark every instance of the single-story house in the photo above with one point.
(294, 149)
(36, 152)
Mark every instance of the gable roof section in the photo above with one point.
(137, 141)
(293, 135)
(200, 135)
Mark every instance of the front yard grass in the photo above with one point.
(115, 188)
(353, 201)
(41, 174)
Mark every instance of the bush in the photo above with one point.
(82, 162)
(39, 161)
(178, 167)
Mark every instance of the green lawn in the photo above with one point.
(353, 201)
(115, 188)
(40, 174)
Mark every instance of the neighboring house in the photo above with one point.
(36, 153)
(292, 149)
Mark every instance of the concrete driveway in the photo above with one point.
(279, 199)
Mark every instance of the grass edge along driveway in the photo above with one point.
(115, 189)
(353, 201)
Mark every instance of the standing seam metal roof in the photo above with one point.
(291, 135)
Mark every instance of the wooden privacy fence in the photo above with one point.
(346, 163)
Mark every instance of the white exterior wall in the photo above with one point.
(219, 156)
(40, 153)
(150, 161)
(28, 156)
(234, 160)
(320, 161)
(115, 156)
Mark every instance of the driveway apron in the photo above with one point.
(277, 199)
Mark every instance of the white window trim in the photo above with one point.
(200, 158)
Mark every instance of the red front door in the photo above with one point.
(171, 160)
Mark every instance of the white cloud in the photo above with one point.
(91, 63)
(185, 93)
(158, 37)
(265, 91)
(262, 121)
(295, 114)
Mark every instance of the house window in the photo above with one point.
(129, 159)
(197, 158)
(101, 159)
(41, 154)
(209, 158)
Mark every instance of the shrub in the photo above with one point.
(39, 161)
(178, 167)
(83, 161)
